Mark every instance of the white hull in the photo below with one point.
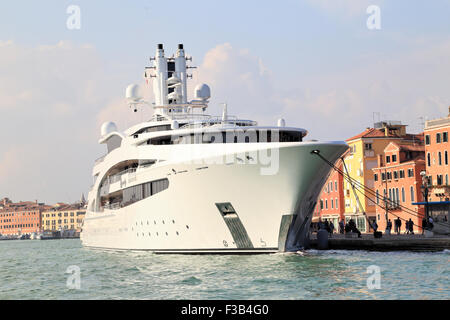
(274, 210)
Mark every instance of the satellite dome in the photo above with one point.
(107, 128)
(133, 92)
(202, 92)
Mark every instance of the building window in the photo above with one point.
(326, 203)
(403, 195)
(368, 146)
(395, 174)
(428, 159)
(394, 158)
(439, 158)
(438, 138)
(427, 139)
(446, 179)
(383, 176)
(337, 201)
(410, 172)
(439, 179)
(388, 159)
(378, 197)
(321, 204)
(444, 136)
(446, 157)
(332, 204)
(402, 174)
(335, 185)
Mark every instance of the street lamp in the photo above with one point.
(424, 188)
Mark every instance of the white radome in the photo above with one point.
(202, 92)
(133, 93)
(107, 128)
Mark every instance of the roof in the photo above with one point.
(407, 147)
(368, 133)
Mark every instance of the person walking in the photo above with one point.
(341, 226)
(430, 223)
(424, 224)
(327, 225)
(389, 227)
(411, 226)
(331, 228)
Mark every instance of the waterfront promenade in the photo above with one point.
(393, 242)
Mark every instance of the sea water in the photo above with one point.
(64, 269)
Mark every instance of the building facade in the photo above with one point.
(397, 178)
(21, 218)
(330, 204)
(360, 205)
(64, 217)
(437, 174)
(437, 148)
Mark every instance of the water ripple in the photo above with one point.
(36, 270)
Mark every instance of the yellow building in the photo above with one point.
(365, 149)
(63, 217)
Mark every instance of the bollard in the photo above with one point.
(322, 239)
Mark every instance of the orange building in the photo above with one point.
(397, 177)
(436, 177)
(330, 204)
(20, 218)
(437, 148)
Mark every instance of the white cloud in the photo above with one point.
(49, 97)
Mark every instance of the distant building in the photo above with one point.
(437, 172)
(20, 218)
(359, 163)
(397, 178)
(330, 204)
(62, 217)
(437, 148)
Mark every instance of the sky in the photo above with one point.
(315, 63)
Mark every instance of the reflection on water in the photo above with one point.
(36, 270)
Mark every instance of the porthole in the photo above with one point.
(187, 227)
